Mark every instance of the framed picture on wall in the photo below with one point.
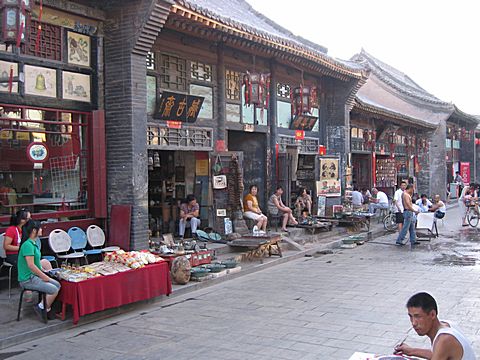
(40, 81)
(78, 49)
(7, 70)
(76, 86)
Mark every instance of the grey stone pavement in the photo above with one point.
(319, 307)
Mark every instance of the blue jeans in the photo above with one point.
(372, 207)
(37, 284)
(408, 225)
(194, 223)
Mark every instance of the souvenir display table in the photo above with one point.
(200, 257)
(106, 292)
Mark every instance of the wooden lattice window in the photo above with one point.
(150, 60)
(283, 90)
(173, 73)
(200, 71)
(232, 79)
(49, 42)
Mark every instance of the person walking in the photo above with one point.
(409, 214)
(397, 201)
(459, 182)
(461, 203)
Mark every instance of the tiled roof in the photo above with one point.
(459, 115)
(397, 80)
(240, 15)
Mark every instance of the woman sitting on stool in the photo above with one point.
(30, 274)
(276, 207)
(252, 210)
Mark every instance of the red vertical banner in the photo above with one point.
(465, 172)
(374, 169)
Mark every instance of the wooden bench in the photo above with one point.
(259, 246)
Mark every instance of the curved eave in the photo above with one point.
(462, 116)
(259, 37)
(381, 113)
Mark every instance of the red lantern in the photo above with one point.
(301, 100)
(256, 88)
(14, 20)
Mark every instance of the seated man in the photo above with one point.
(189, 212)
(276, 207)
(423, 203)
(448, 342)
(438, 207)
(252, 210)
(357, 199)
(378, 201)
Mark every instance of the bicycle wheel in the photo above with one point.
(390, 223)
(472, 217)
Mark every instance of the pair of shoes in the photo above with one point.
(38, 312)
(399, 244)
(415, 243)
(464, 224)
(284, 230)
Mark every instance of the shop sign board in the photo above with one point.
(303, 122)
(465, 172)
(37, 152)
(179, 107)
(174, 124)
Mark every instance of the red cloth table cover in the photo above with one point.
(105, 292)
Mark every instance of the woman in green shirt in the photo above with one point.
(30, 274)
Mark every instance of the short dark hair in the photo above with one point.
(252, 186)
(190, 197)
(409, 186)
(278, 188)
(424, 301)
(403, 182)
(423, 195)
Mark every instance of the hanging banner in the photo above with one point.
(465, 172)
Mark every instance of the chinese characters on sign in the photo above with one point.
(303, 122)
(179, 107)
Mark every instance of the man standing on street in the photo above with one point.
(397, 201)
(460, 184)
(409, 217)
(448, 342)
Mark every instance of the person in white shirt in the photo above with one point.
(438, 208)
(461, 203)
(423, 203)
(397, 201)
(357, 199)
(448, 342)
(378, 201)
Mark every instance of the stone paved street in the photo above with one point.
(321, 307)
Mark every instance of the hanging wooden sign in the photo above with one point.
(179, 107)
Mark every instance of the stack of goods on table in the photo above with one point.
(114, 262)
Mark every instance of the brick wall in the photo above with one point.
(125, 106)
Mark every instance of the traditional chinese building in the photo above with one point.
(399, 131)
(52, 145)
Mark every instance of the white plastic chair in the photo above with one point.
(6, 265)
(61, 243)
(426, 221)
(96, 238)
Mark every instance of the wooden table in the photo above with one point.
(259, 245)
(351, 219)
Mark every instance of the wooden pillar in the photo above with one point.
(221, 104)
(272, 112)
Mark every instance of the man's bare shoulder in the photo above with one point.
(447, 347)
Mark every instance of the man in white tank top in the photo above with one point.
(448, 342)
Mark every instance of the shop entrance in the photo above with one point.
(253, 146)
(362, 171)
(172, 176)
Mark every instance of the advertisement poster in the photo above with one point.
(329, 184)
(465, 172)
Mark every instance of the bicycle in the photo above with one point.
(473, 214)
(390, 220)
